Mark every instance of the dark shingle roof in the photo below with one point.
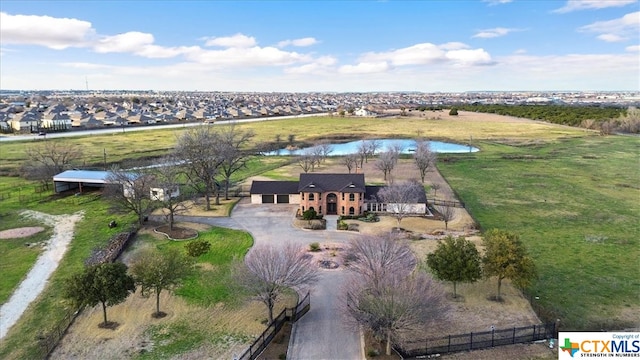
(372, 195)
(274, 187)
(347, 183)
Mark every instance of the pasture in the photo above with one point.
(571, 195)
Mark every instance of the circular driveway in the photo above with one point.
(321, 333)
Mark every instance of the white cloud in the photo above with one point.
(575, 5)
(320, 65)
(308, 41)
(427, 53)
(492, 33)
(254, 56)
(235, 41)
(453, 46)
(633, 48)
(470, 57)
(364, 68)
(140, 44)
(610, 37)
(617, 29)
(127, 42)
(520, 51)
(497, 2)
(54, 33)
(418, 54)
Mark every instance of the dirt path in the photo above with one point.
(45, 265)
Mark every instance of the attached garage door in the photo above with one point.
(283, 199)
(267, 199)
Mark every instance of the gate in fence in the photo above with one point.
(476, 341)
(288, 314)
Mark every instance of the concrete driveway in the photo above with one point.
(321, 333)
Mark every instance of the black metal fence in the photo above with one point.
(47, 342)
(288, 314)
(476, 341)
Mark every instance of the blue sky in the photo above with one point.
(448, 46)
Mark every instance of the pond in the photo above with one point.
(407, 145)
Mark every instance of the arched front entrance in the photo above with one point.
(332, 204)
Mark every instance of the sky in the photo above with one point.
(321, 46)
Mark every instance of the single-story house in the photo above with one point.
(330, 194)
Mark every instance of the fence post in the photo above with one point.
(513, 338)
(534, 333)
(493, 331)
(449, 344)
(471, 341)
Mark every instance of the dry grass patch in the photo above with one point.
(85, 340)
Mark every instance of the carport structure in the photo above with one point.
(79, 179)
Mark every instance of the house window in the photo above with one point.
(302, 195)
(352, 197)
(154, 192)
(311, 208)
(320, 196)
(303, 209)
(352, 211)
(343, 210)
(342, 196)
(311, 197)
(360, 197)
(320, 210)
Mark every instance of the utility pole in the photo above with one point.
(104, 156)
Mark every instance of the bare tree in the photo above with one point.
(269, 270)
(326, 149)
(362, 152)
(306, 160)
(317, 155)
(168, 181)
(398, 308)
(199, 152)
(373, 146)
(447, 213)
(130, 190)
(383, 295)
(233, 153)
(401, 198)
(387, 161)
(435, 187)
(423, 157)
(373, 257)
(49, 159)
(350, 161)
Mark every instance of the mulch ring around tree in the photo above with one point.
(177, 233)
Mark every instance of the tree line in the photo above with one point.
(605, 118)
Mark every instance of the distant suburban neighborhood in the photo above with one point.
(51, 111)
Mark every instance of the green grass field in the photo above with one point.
(575, 204)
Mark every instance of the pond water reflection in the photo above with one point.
(407, 145)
